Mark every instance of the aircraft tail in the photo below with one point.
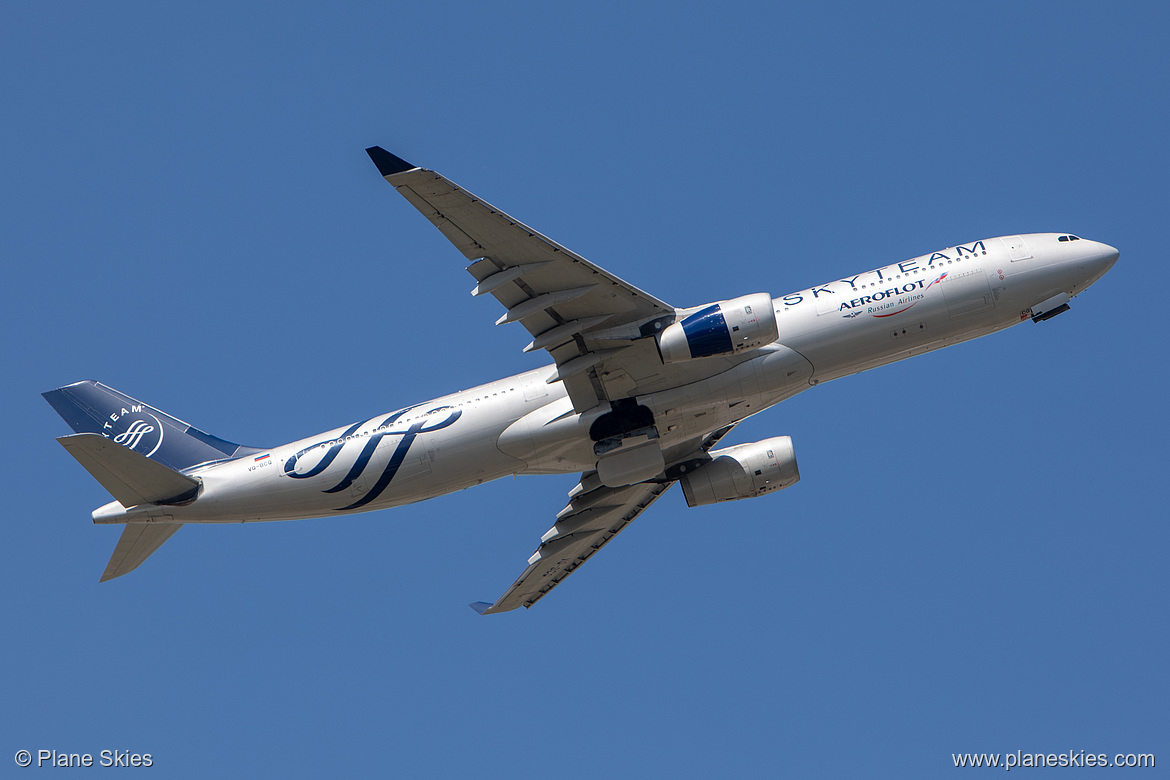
(137, 453)
(132, 479)
(91, 407)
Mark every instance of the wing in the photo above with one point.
(595, 325)
(594, 515)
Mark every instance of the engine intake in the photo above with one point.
(743, 471)
(723, 328)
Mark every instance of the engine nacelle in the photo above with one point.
(723, 328)
(743, 471)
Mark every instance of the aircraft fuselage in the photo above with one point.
(524, 425)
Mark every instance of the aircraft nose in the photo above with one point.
(1110, 257)
(1098, 262)
(1104, 258)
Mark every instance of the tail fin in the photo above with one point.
(137, 453)
(91, 407)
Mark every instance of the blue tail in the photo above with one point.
(91, 407)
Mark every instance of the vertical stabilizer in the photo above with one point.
(91, 407)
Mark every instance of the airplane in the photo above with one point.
(638, 397)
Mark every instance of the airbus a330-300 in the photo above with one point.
(638, 398)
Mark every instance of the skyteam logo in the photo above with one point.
(134, 434)
(135, 429)
(364, 440)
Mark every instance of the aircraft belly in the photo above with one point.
(1034, 284)
(701, 407)
(552, 439)
(461, 461)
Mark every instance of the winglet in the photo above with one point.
(388, 164)
(480, 606)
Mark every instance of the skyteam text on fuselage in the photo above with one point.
(638, 397)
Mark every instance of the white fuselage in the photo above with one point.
(521, 424)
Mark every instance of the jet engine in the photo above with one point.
(723, 328)
(743, 471)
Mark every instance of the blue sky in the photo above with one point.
(974, 561)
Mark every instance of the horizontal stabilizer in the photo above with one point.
(130, 477)
(137, 543)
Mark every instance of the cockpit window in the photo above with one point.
(1068, 238)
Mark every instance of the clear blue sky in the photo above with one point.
(974, 561)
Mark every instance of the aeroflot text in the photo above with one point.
(881, 295)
